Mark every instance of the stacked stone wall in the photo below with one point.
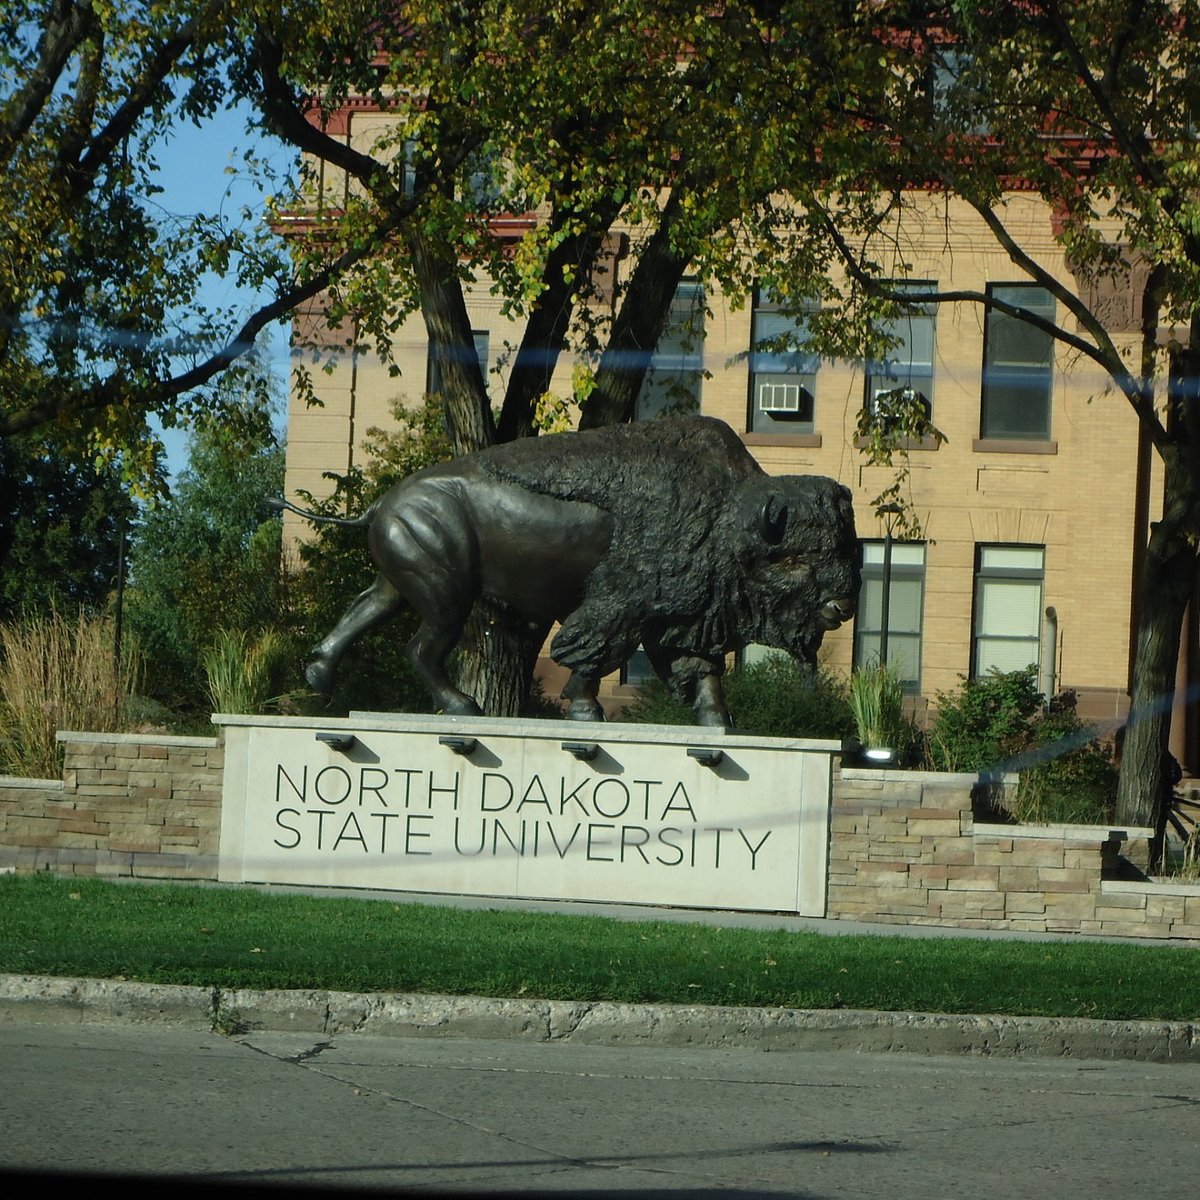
(143, 806)
(906, 848)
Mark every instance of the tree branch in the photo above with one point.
(67, 25)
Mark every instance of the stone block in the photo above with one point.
(1026, 903)
(1164, 908)
(958, 852)
(1064, 879)
(1037, 854)
(1068, 906)
(1018, 879)
(1122, 900)
(928, 875)
(936, 827)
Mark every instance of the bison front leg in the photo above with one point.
(709, 701)
(581, 691)
(370, 608)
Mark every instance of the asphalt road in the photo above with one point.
(435, 1115)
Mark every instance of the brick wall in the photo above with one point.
(905, 848)
(128, 804)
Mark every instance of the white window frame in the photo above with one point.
(1020, 570)
(907, 569)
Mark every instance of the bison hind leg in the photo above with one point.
(369, 609)
(694, 679)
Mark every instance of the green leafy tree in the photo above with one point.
(208, 557)
(1093, 108)
(61, 525)
(639, 135)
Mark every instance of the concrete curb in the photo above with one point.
(53, 1000)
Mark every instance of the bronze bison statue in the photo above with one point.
(664, 533)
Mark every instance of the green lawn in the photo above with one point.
(233, 937)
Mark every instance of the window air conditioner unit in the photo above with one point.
(779, 397)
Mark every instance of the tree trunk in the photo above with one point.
(1168, 581)
(496, 658)
(452, 346)
(640, 323)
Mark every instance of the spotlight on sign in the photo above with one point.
(459, 745)
(584, 751)
(342, 742)
(706, 755)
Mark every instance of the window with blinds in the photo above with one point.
(1009, 583)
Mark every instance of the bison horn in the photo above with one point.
(773, 521)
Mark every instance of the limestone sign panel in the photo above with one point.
(531, 810)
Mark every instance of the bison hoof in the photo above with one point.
(585, 710)
(462, 707)
(320, 676)
(714, 716)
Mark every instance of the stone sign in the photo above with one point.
(528, 810)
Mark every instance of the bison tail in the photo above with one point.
(360, 522)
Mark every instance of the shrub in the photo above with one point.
(243, 673)
(777, 697)
(57, 673)
(976, 729)
(997, 724)
(774, 697)
(1071, 775)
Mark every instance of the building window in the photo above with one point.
(1018, 366)
(637, 671)
(1008, 608)
(909, 363)
(672, 380)
(906, 604)
(434, 374)
(783, 376)
(958, 100)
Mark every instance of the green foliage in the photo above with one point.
(101, 315)
(777, 697)
(977, 728)
(208, 557)
(654, 705)
(997, 724)
(58, 673)
(244, 672)
(1070, 776)
(877, 700)
(773, 697)
(336, 566)
(60, 529)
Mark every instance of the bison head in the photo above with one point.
(800, 561)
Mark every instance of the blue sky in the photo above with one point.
(194, 180)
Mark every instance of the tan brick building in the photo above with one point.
(1028, 507)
